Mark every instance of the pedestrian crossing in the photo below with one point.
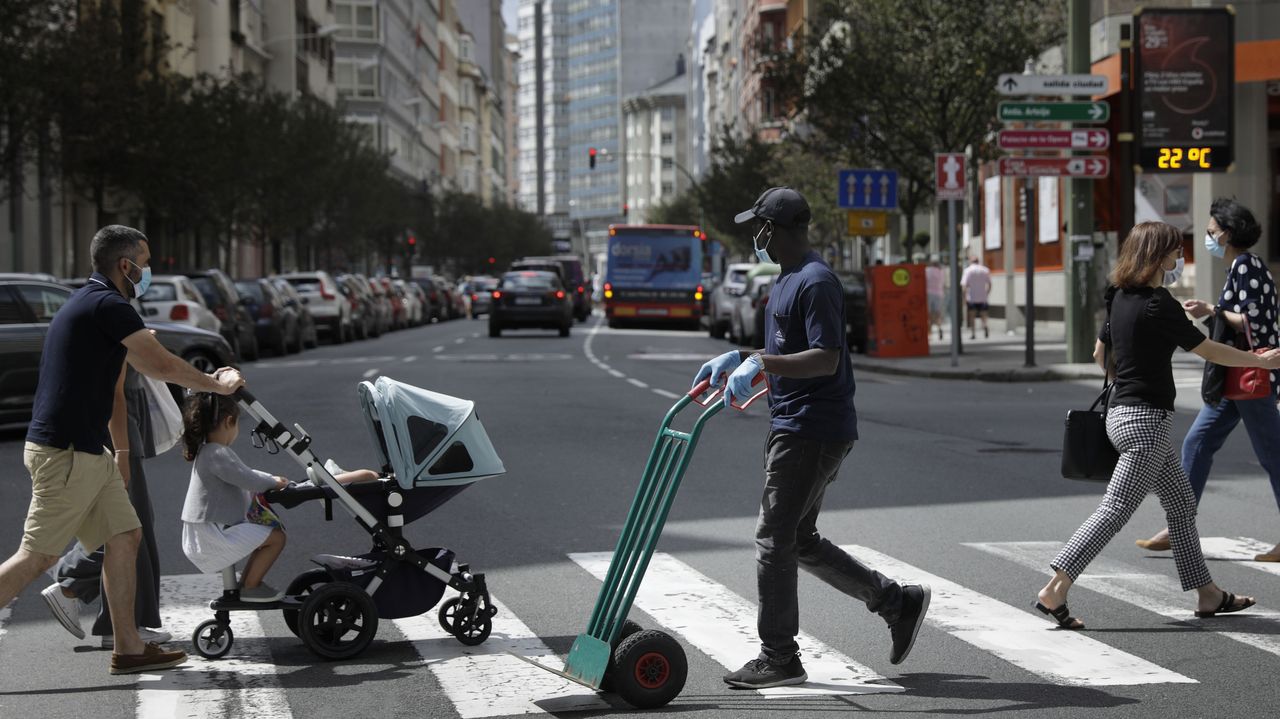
(716, 626)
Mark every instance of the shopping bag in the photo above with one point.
(163, 415)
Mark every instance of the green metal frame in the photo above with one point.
(668, 460)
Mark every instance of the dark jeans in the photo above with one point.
(1216, 422)
(797, 472)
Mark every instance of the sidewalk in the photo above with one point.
(1002, 358)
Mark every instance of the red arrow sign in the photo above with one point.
(1091, 166)
(1055, 139)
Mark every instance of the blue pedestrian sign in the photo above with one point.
(868, 190)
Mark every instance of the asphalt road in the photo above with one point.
(954, 479)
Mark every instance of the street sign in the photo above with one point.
(1184, 71)
(1017, 84)
(868, 190)
(948, 170)
(1088, 167)
(868, 223)
(1054, 139)
(1054, 112)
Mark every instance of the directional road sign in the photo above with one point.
(948, 176)
(1054, 139)
(868, 223)
(868, 189)
(1054, 112)
(1089, 167)
(1016, 84)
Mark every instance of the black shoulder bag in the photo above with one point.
(1087, 452)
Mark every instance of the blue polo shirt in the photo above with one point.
(79, 366)
(806, 311)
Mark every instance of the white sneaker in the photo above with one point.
(65, 609)
(148, 636)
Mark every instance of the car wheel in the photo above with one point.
(202, 361)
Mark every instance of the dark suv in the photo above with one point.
(219, 292)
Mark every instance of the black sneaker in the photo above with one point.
(762, 674)
(915, 603)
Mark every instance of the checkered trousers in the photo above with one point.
(1147, 461)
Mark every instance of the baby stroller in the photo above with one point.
(431, 447)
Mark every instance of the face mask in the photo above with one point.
(1171, 276)
(140, 287)
(1215, 248)
(762, 253)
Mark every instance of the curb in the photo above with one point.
(1057, 373)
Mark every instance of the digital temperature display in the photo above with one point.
(1165, 158)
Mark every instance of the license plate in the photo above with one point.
(528, 300)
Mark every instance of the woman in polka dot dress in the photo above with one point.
(1248, 296)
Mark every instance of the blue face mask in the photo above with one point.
(1215, 248)
(762, 253)
(140, 287)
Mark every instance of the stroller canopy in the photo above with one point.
(427, 438)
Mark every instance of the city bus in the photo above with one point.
(655, 273)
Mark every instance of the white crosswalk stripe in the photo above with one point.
(242, 684)
(722, 625)
(1159, 593)
(485, 680)
(1019, 637)
(1239, 549)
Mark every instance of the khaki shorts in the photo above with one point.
(74, 494)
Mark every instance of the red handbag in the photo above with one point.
(1248, 382)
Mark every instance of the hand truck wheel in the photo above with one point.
(212, 639)
(337, 621)
(649, 669)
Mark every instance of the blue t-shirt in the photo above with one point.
(79, 367)
(806, 311)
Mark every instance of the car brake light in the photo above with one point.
(559, 294)
(180, 312)
(497, 295)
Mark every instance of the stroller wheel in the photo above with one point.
(212, 639)
(470, 622)
(337, 621)
(301, 586)
(650, 669)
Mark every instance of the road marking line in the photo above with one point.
(723, 626)
(1021, 638)
(636, 382)
(370, 372)
(616, 373)
(664, 393)
(244, 683)
(410, 358)
(486, 681)
(1157, 593)
(1239, 549)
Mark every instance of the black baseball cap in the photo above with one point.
(782, 206)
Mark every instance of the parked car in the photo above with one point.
(27, 305)
(482, 295)
(174, 298)
(725, 296)
(436, 309)
(531, 299)
(308, 334)
(276, 325)
(361, 300)
(748, 313)
(855, 309)
(220, 296)
(575, 281)
(384, 313)
(412, 303)
(329, 308)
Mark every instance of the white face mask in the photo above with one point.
(762, 253)
(1171, 276)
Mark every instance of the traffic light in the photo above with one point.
(591, 157)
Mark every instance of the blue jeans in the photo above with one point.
(797, 472)
(1211, 428)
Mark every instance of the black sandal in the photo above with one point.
(1062, 615)
(1226, 606)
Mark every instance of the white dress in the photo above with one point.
(212, 548)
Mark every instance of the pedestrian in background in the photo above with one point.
(812, 429)
(1249, 295)
(976, 282)
(936, 289)
(1144, 326)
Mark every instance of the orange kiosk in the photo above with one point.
(898, 311)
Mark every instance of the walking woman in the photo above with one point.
(1249, 295)
(1144, 325)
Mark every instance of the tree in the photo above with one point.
(894, 82)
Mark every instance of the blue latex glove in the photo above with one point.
(718, 367)
(740, 381)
